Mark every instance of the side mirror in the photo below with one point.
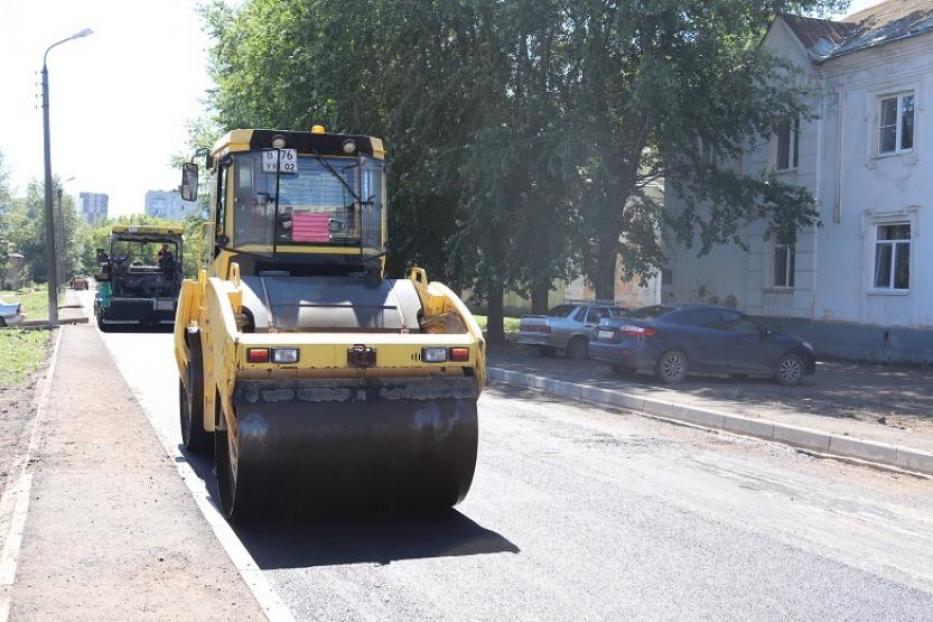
(189, 181)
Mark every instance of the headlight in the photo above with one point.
(434, 355)
(285, 355)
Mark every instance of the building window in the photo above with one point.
(897, 123)
(788, 135)
(892, 257)
(784, 268)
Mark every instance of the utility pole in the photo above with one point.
(49, 209)
(60, 236)
(49, 206)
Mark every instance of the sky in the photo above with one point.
(120, 98)
(858, 5)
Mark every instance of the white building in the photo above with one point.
(169, 204)
(93, 206)
(861, 286)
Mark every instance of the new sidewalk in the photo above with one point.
(110, 531)
(880, 414)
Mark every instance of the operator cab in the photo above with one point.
(296, 203)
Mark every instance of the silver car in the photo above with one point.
(11, 313)
(565, 328)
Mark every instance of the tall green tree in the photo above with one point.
(524, 135)
(27, 233)
(5, 215)
(662, 86)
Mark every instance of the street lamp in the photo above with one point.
(49, 208)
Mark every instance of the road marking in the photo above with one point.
(266, 597)
(18, 496)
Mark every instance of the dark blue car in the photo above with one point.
(675, 340)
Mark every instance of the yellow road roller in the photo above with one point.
(320, 384)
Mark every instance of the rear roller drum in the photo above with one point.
(232, 504)
(191, 406)
(317, 457)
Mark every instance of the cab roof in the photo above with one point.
(149, 229)
(305, 142)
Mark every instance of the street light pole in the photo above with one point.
(49, 207)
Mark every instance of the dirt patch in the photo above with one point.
(16, 414)
(17, 401)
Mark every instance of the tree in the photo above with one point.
(443, 83)
(28, 235)
(662, 85)
(523, 135)
(5, 209)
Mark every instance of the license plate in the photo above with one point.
(164, 305)
(605, 334)
(285, 159)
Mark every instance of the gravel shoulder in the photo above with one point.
(112, 532)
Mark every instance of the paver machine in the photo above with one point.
(139, 277)
(320, 384)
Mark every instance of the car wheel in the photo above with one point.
(576, 348)
(672, 367)
(789, 370)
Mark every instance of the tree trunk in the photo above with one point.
(607, 255)
(539, 296)
(495, 326)
(612, 224)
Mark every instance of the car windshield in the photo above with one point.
(560, 311)
(648, 313)
(316, 200)
(141, 252)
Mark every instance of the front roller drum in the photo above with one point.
(313, 456)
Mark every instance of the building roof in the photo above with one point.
(811, 31)
(891, 20)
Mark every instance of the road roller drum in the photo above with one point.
(316, 447)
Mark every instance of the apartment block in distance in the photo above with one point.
(93, 206)
(169, 204)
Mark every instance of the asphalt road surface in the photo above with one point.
(580, 513)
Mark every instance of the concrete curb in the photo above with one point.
(845, 446)
(44, 323)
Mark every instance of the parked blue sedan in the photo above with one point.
(675, 340)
